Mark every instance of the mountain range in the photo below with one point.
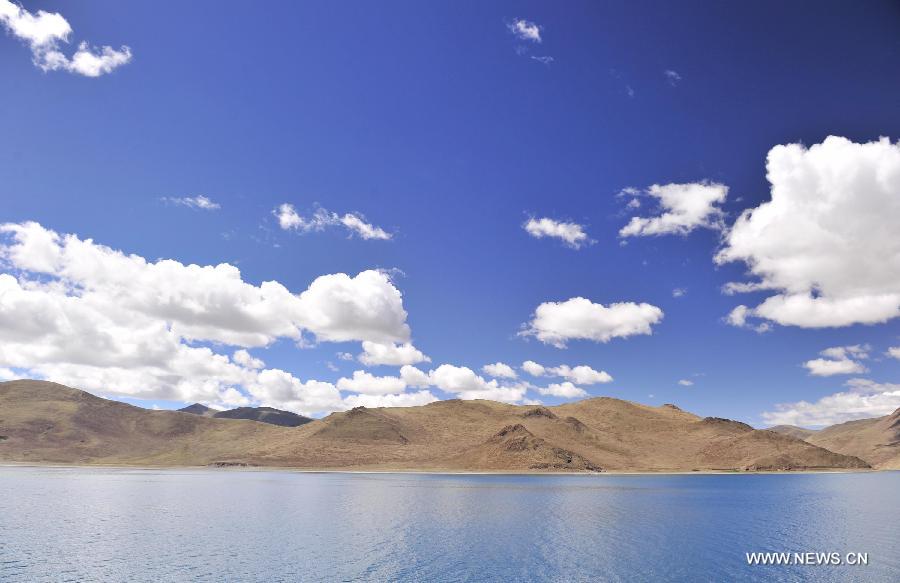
(43, 422)
(264, 414)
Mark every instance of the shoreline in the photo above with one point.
(434, 472)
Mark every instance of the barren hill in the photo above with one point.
(45, 422)
(877, 440)
(793, 431)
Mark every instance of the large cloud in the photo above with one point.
(44, 31)
(827, 242)
(89, 316)
(684, 207)
(865, 398)
(581, 319)
(465, 384)
(369, 384)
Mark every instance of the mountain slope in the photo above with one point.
(45, 422)
(875, 440)
(793, 431)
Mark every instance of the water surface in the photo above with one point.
(175, 525)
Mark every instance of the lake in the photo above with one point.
(174, 525)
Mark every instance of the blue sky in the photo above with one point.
(434, 123)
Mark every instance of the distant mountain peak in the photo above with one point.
(197, 409)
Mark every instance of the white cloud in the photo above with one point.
(822, 367)
(580, 375)
(565, 390)
(197, 202)
(391, 354)
(738, 318)
(280, 389)
(580, 319)
(686, 383)
(344, 356)
(679, 292)
(544, 60)
(499, 370)
(860, 351)
(414, 377)
(368, 384)
(533, 368)
(45, 31)
(894, 352)
(244, 358)
(865, 399)
(571, 233)
(684, 207)
(827, 241)
(341, 308)
(465, 384)
(839, 360)
(525, 30)
(7, 374)
(401, 400)
(88, 316)
(672, 77)
(321, 219)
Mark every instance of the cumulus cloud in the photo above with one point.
(525, 30)
(572, 234)
(244, 358)
(839, 360)
(533, 368)
(865, 398)
(894, 352)
(580, 375)
(414, 377)
(89, 316)
(197, 202)
(464, 383)
(499, 370)
(565, 390)
(686, 383)
(826, 243)
(684, 207)
(321, 219)
(399, 400)
(581, 319)
(391, 354)
(368, 384)
(44, 32)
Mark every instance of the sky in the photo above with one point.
(315, 206)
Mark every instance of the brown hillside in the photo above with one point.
(45, 422)
(793, 431)
(875, 440)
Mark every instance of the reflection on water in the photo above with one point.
(138, 525)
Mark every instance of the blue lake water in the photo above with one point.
(64, 524)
